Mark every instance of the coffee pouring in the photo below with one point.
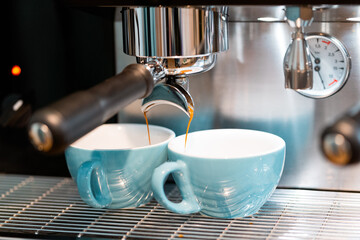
(168, 44)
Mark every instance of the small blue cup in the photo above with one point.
(113, 164)
(224, 173)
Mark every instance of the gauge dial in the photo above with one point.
(331, 65)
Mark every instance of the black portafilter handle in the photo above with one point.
(53, 128)
(340, 142)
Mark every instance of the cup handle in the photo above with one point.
(98, 200)
(189, 202)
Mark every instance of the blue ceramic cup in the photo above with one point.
(113, 164)
(224, 173)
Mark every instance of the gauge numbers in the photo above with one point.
(331, 65)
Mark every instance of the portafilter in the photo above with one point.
(169, 43)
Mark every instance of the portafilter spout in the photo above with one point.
(172, 92)
(175, 89)
(297, 62)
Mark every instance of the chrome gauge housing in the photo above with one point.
(331, 65)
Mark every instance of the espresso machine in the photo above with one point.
(170, 46)
(279, 75)
(287, 69)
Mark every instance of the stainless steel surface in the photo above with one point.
(173, 32)
(322, 13)
(253, 13)
(297, 62)
(49, 206)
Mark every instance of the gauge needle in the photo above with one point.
(322, 81)
(312, 54)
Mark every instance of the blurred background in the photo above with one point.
(58, 50)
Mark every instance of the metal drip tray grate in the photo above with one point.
(51, 206)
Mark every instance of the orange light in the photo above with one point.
(16, 70)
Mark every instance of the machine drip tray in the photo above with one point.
(50, 207)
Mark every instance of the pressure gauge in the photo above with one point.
(331, 65)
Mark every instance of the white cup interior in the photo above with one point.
(227, 143)
(123, 136)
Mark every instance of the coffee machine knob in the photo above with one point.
(337, 148)
(41, 136)
(341, 142)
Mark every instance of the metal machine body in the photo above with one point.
(245, 89)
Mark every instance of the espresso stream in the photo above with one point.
(191, 113)
(147, 125)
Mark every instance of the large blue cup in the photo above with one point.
(224, 173)
(113, 164)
